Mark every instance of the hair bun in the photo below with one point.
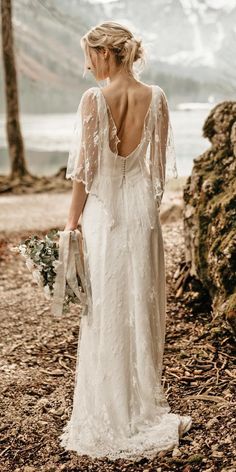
(134, 45)
(119, 39)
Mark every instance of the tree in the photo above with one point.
(14, 136)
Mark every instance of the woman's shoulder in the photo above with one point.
(90, 91)
(161, 98)
(89, 96)
(159, 90)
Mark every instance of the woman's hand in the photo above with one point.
(70, 227)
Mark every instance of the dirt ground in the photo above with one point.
(37, 363)
(40, 211)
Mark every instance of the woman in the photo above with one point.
(120, 159)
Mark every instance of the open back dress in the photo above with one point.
(119, 407)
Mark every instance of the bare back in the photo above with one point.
(128, 107)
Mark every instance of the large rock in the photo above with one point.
(210, 213)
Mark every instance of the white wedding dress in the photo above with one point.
(119, 407)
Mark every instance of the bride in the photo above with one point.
(120, 159)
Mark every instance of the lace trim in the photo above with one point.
(146, 441)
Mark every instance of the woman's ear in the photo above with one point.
(105, 52)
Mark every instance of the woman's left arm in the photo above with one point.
(162, 150)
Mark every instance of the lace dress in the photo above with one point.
(119, 407)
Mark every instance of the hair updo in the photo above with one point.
(119, 39)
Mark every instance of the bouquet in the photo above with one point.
(57, 265)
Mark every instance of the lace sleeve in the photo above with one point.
(84, 150)
(162, 152)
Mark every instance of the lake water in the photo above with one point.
(47, 139)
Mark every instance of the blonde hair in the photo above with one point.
(119, 39)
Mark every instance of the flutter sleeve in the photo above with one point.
(83, 159)
(162, 152)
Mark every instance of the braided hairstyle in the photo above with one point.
(118, 39)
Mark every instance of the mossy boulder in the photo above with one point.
(210, 212)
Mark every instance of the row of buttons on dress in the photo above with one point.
(124, 164)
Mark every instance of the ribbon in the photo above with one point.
(70, 264)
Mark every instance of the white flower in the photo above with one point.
(30, 264)
(22, 250)
(47, 293)
(37, 277)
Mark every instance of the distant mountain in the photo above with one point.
(191, 43)
(48, 54)
(190, 48)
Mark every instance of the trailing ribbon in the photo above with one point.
(70, 265)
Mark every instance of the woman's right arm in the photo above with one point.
(78, 199)
(83, 156)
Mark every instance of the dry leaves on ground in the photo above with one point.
(38, 366)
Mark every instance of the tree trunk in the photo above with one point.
(14, 136)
